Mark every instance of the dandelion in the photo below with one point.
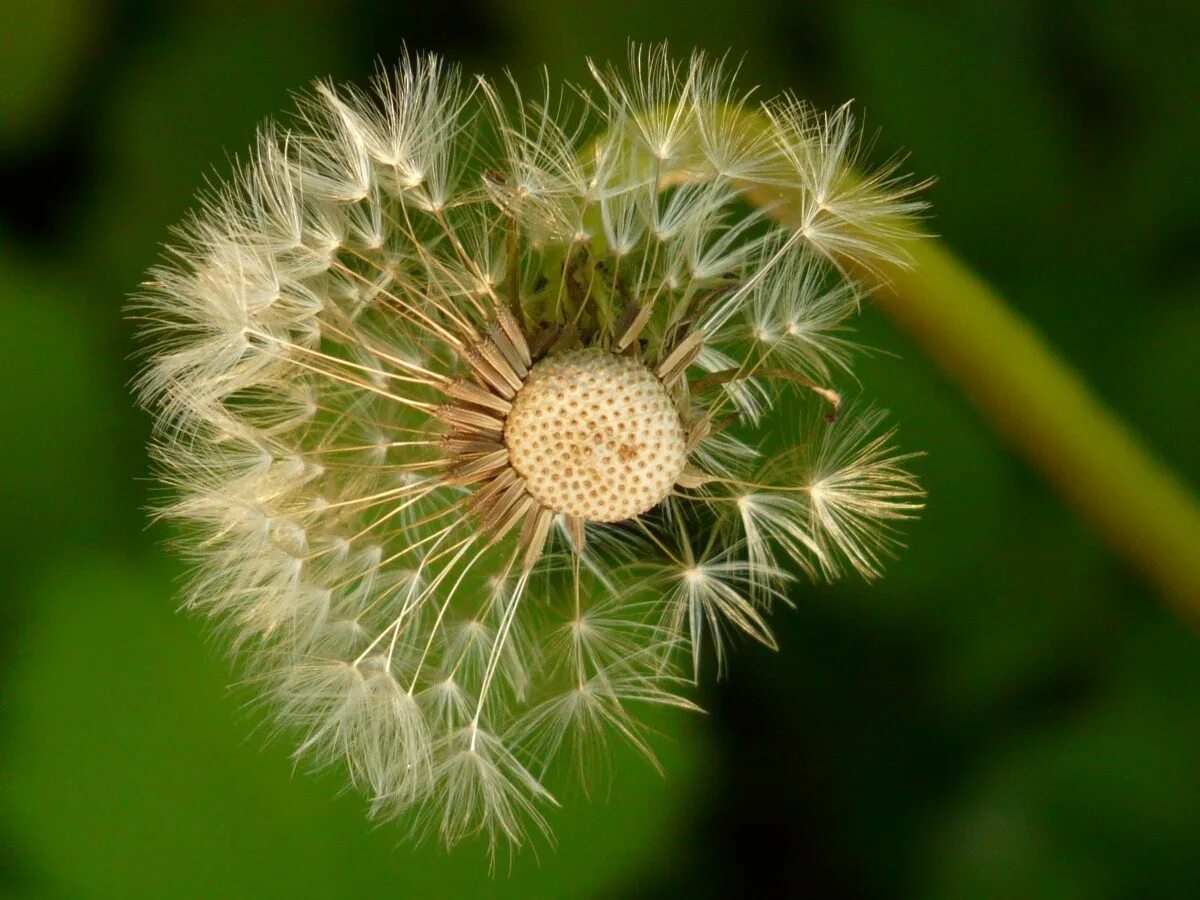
(489, 420)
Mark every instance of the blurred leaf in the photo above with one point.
(61, 409)
(562, 37)
(1099, 803)
(967, 475)
(1161, 375)
(185, 107)
(1040, 614)
(44, 45)
(996, 148)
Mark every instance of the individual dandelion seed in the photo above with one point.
(489, 419)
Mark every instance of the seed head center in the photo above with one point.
(595, 435)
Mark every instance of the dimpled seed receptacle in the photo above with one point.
(595, 436)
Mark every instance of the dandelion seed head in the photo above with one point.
(491, 418)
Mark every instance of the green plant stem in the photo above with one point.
(1039, 404)
(1045, 411)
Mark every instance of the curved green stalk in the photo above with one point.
(1041, 406)
(1046, 412)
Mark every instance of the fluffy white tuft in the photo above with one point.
(339, 334)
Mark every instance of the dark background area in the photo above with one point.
(1010, 713)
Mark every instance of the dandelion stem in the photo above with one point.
(1041, 406)
(1046, 412)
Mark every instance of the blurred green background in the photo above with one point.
(1008, 714)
